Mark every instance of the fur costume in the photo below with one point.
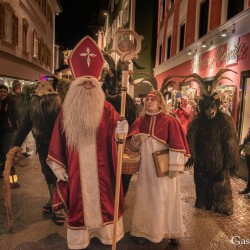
(213, 144)
(112, 89)
(39, 118)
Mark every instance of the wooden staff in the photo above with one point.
(8, 165)
(126, 53)
(121, 140)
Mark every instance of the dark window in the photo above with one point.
(169, 47)
(44, 3)
(160, 54)
(15, 30)
(234, 7)
(24, 35)
(171, 4)
(163, 9)
(182, 37)
(2, 22)
(204, 11)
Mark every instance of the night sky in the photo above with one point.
(71, 24)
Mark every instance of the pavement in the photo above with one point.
(35, 230)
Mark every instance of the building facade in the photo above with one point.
(27, 38)
(140, 16)
(204, 36)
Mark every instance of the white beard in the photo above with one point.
(82, 113)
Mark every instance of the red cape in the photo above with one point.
(164, 128)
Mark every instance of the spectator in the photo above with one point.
(39, 118)
(246, 148)
(183, 112)
(22, 106)
(9, 122)
(139, 106)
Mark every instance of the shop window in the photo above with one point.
(234, 7)
(187, 91)
(204, 15)
(182, 37)
(244, 104)
(25, 34)
(227, 95)
(169, 47)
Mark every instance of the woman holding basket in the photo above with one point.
(157, 211)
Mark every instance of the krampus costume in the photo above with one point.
(213, 144)
(39, 118)
(112, 89)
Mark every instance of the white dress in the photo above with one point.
(157, 210)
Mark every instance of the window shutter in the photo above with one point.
(39, 50)
(2, 22)
(44, 3)
(33, 43)
(15, 30)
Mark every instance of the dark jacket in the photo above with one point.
(9, 118)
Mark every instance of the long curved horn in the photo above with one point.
(108, 58)
(168, 84)
(108, 71)
(105, 72)
(151, 79)
(218, 77)
(196, 78)
(217, 83)
(165, 83)
(137, 65)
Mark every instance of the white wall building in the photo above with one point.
(27, 39)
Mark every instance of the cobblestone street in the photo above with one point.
(33, 230)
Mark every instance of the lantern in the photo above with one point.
(13, 178)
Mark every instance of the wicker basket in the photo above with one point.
(131, 162)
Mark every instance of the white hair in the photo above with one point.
(82, 112)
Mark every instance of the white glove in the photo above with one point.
(61, 174)
(139, 138)
(122, 127)
(173, 174)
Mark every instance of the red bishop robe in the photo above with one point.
(159, 126)
(68, 194)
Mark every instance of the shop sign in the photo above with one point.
(223, 56)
